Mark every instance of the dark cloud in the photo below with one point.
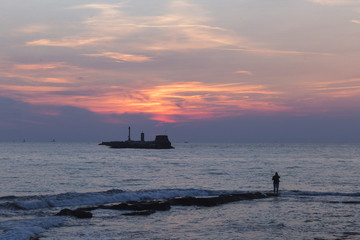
(275, 128)
(20, 121)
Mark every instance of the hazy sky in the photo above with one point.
(197, 70)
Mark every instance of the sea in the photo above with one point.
(319, 195)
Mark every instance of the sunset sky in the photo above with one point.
(197, 70)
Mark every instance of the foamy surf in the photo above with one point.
(96, 198)
(116, 196)
(29, 228)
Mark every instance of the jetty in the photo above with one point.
(160, 142)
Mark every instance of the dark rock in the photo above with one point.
(140, 213)
(141, 206)
(194, 201)
(215, 200)
(64, 212)
(89, 209)
(75, 213)
(272, 194)
(351, 202)
(82, 214)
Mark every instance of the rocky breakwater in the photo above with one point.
(216, 200)
(146, 208)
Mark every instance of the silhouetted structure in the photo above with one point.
(160, 142)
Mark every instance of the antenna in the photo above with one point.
(129, 139)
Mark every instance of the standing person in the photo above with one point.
(276, 181)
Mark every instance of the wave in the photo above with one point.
(99, 198)
(7, 198)
(29, 228)
(115, 196)
(314, 194)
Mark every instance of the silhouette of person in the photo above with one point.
(276, 181)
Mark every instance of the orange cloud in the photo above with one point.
(36, 28)
(184, 26)
(338, 82)
(107, 8)
(194, 100)
(243, 72)
(336, 2)
(183, 106)
(43, 66)
(28, 74)
(337, 89)
(68, 42)
(355, 21)
(54, 80)
(36, 66)
(31, 89)
(344, 92)
(121, 57)
(181, 101)
(270, 52)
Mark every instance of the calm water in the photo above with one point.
(320, 191)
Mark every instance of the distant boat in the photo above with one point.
(160, 142)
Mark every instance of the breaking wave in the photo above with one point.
(116, 196)
(28, 228)
(97, 198)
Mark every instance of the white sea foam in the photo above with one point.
(116, 196)
(313, 193)
(97, 198)
(24, 229)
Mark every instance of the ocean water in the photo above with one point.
(319, 190)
